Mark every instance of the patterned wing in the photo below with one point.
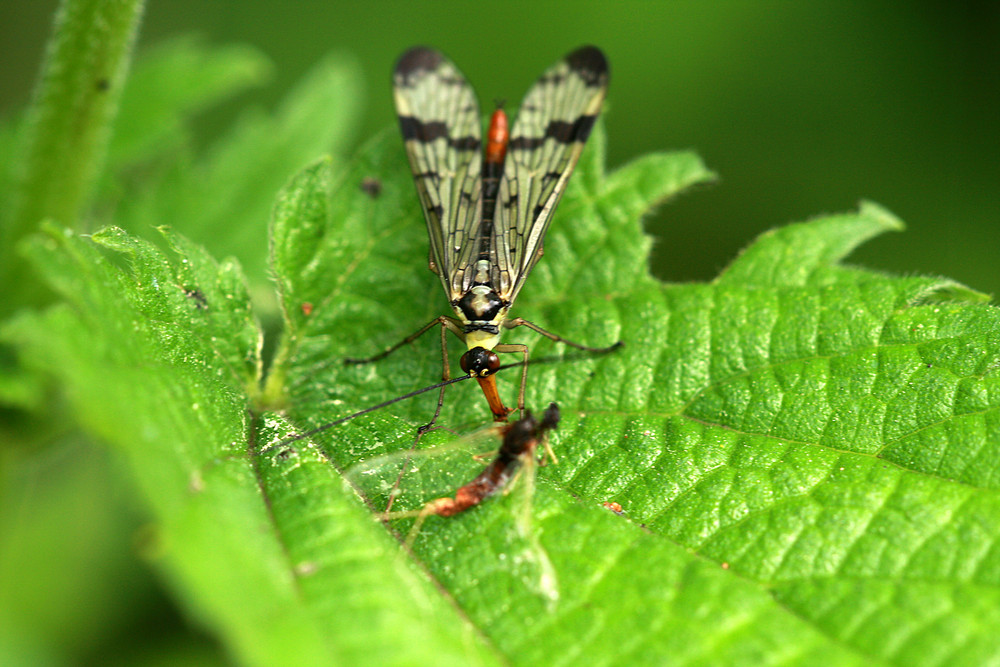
(552, 127)
(439, 118)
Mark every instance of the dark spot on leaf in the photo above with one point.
(196, 295)
(371, 187)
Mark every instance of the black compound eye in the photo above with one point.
(480, 362)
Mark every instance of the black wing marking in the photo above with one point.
(552, 126)
(439, 118)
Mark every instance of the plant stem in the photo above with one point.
(68, 125)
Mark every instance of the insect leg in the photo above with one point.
(445, 376)
(544, 580)
(446, 373)
(520, 322)
(411, 537)
(523, 349)
(548, 455)
(443, 321)
(409, 457)
(446, 324)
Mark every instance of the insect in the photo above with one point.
(515, 457)
(614, 507)
(520, 442)
(487, 212)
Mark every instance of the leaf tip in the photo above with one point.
(878, 213)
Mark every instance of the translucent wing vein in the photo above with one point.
(439, 118)
(441, 126)
(552, 126)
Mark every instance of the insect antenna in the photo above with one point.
(359, 413)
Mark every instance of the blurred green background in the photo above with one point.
(801, 108)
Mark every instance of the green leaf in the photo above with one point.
(170, 83)
(160, 356)
(223, 198)
(61, 542)
(795, 442)
(805, 452)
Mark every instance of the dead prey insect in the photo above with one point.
(520, 442)
(515, 460)
(487, 218)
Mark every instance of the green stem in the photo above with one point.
(69, 124)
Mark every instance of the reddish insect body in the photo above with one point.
(520, 442)
(614, 507)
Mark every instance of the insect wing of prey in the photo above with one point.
(486, 218)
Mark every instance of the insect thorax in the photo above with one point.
(485, 337)
(479, 306)
(481, 312)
